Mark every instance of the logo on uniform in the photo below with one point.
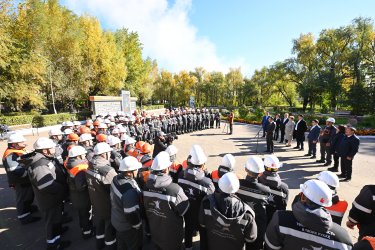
(191, 191)
(157, 204)
(89, 181)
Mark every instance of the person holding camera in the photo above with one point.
(161, 144)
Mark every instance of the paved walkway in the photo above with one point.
(241, 144)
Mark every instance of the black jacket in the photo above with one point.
(159, 146)
(271, 129)
(229, 223)
(348, 147)
(304, 228)
(300, 130)
(99, 178)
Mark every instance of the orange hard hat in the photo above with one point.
(101, 138)
(96, 123)
(84, 130)
(139, 145)
(72, 137)
(146, 148)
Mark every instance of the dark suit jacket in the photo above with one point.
(301, 129)
(265, 122)
(284, 121)
(314, 133)
(271, 129)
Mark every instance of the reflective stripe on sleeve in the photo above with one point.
(253, 195)
(101, 236)
(278, 193)
(270, 244)
(18, 166)
(314, 238)
(115, 190)
(362, 208)
(23, 215)
(192, 184)
(138, 225)
(160, 196)
(45, 184)
(131, 209)
(109, 243)
(95, 175)
(352, 220)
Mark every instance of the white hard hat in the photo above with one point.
(271, 161)
(68, 131)
(161, 161)
(329, 178)
(129, 163)
(115, 131)
(229, 183)
(54, 131)
(16, 138)
(63, 124)
(113, 140)
(44, 143)
(122, 130)
(124, 137)
(171, 150)
(130, 140)
(112, 124)
(331, 119)
(85, 137)
(318, 192)
(126, 119)
(254, 164)
(228, 161)
(69, 124)
(77, 123)
(107, 121)
(102, 148)
(77, 151)
(102, 125)
(198, 157)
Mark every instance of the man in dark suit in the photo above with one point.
(270, 130)
(278, 123)
(347, 149)
(299, 131)
(265, 123)
(312, 138)
(284, 121)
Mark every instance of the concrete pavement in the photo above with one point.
(216, 144)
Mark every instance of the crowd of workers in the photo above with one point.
(128, 193)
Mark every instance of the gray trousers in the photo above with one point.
(325, 153)
(53, 220)
(130, 239)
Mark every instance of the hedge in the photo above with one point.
(48, 120)
(16, 120)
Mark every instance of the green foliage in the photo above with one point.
(16, 120)
(243, 111)
(152, 107)
(48, 120)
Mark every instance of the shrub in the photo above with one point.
(243, 111)
(152, 107)
(16, 120)
(48, 120)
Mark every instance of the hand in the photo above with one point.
(314, 142)
(350, 224)
(349, 158)
(328, 144)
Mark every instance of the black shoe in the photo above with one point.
(320, 161)
(333, 169)
(327, 164)
(267, 151)
(341, 176)
(63, 244)
(347, 179)
(296, 147)
(313, 157)
(281, 142)
(301, 149)
(30, 219)
(307, 155)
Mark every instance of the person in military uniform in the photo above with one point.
(325, 140)
(146, 129)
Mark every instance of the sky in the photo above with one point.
(221, 34)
